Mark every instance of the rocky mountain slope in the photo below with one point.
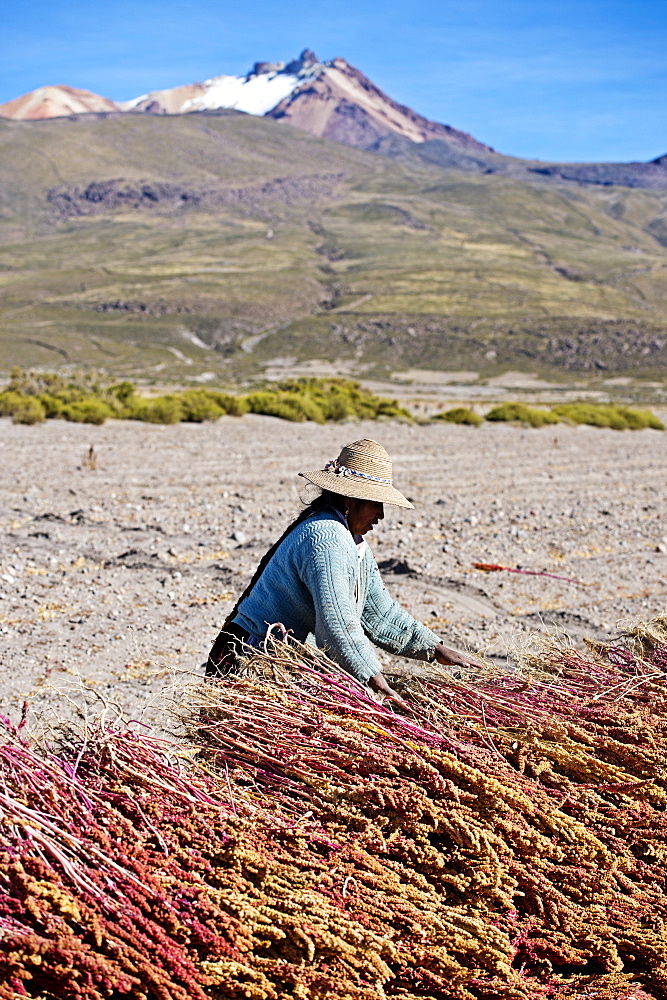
(338, 102)
(265, 246)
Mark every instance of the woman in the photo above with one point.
(321, 582)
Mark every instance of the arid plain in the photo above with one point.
(119, 564)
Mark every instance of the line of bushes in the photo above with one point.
(619, 418)
(33, 397)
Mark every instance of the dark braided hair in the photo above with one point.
(325, 500)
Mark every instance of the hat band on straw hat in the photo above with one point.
(343, 470)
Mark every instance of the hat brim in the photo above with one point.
(360, 489)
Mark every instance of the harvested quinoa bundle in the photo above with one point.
(507, 839)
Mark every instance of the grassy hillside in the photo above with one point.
(174, 246)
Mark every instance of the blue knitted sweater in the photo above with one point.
(316, 585)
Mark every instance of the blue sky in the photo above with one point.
(573, 80)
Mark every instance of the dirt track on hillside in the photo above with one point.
(120, 574)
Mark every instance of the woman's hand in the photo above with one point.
(379, 683)
(452, 657)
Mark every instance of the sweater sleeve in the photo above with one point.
(330, 573)
(389, 625)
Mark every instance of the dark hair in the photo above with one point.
(321, 502)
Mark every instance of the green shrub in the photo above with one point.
(286, 409)
(306, 405)
(233, 406)
(28, 411)
(389, 409)
(53, 406)
(594, 414)
(9, 401)
(340, 399)
(87, 411)
(122, 391)
(520, 413)
(118, 397)
(640, 419)
(619, 418)
(338, 407)
(286, 405)
(336, 399)
(159, 410)
(460, 415)
(22, 409)
(590, 413)
(197, 406)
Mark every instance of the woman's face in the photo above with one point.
(363, 514)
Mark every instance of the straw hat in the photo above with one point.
(363, 471)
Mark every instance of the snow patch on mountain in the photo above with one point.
(256, 95)
(131, 105)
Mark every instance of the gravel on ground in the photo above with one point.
(123, 546)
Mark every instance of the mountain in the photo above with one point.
(55, 102)
(264, 246)
(327, 99)
(331, 99)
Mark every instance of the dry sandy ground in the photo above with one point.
(120, 574)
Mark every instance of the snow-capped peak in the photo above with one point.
(257, 93)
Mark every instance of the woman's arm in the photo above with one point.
(388, 624)
(393, 628)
